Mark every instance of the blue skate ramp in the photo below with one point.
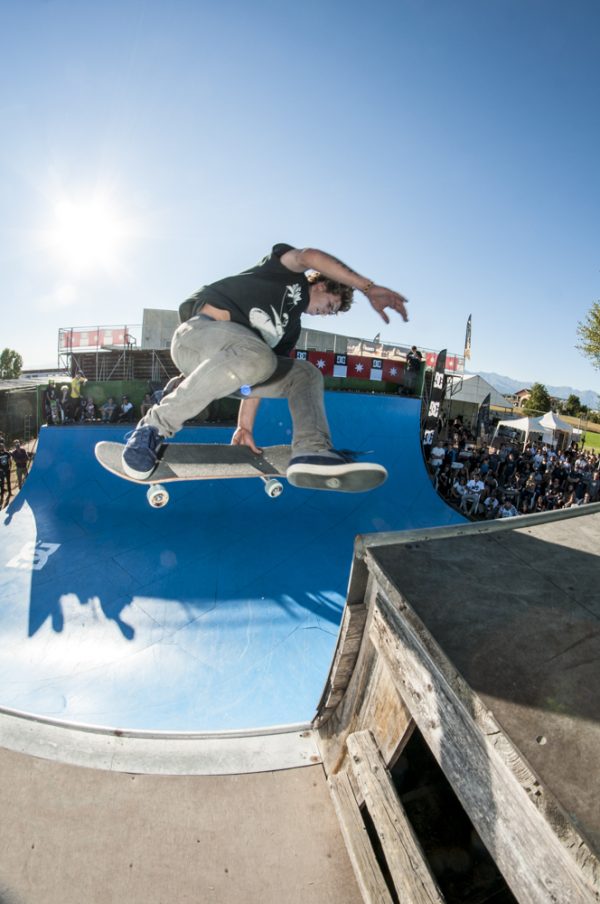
(218, 612)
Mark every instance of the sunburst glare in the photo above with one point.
(87, 234)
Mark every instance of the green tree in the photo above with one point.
(11, 364)
(573, 406)
(588, 332)
(539, 400)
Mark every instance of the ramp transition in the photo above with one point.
(219, 612)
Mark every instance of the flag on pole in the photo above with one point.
(468, 340)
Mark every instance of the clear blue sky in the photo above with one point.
(448, 149)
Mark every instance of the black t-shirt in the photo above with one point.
(268, 298)
(20, 457)
(413, 361)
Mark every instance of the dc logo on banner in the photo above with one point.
(377, 364)
(33, 555)
(302, 356)
(341, 359)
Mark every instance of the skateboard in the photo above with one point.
(205, 461)
(201, 461)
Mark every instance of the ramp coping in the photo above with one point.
(160, 752)
(364, 542)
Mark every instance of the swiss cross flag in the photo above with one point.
(359, 367)
(393, 371)
(323, 361)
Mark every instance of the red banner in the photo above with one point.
(362, 367)
(393, 371)
(359, 367)
(453, 362)
(94, 338)
(323, 361)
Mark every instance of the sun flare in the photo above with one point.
(87, 234)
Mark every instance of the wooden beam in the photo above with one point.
(366, 869)
(361, 694)
(410, 872)
(346, 654)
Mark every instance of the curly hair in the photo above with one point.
(346, 293)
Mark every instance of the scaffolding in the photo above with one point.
(103, 353)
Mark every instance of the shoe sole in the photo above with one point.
(348, 478)
(137, 475)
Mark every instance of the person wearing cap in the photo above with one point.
(236, 337)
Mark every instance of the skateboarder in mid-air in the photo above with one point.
(237, 334)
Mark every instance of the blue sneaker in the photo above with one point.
(333, 469)
(140, 455)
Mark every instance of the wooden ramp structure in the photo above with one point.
(482, 638)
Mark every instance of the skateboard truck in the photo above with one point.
(158, 495)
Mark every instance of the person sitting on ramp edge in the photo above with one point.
(236, 336)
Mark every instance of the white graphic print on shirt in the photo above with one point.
(272, 328)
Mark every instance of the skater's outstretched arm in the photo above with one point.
(301, 259)
(244, 432)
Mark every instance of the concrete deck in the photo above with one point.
(517, 613)
(70, 835)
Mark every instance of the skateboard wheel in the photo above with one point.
(333, 483)
(157, 495)
(273, 488)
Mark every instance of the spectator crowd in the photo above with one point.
(67, 405)
(486, 482)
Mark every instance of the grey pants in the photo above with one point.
(217, 358)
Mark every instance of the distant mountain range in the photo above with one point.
(508, 386)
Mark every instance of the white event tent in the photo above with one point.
(552, 428)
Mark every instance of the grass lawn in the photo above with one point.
(592, 440)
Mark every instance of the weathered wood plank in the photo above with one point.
(366, 869)
(344, 661)
(371, 700)
(498, 790)
(412, 877)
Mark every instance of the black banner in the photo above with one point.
(483, 416)
(438, 391)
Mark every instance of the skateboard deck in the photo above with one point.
(201, 461)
